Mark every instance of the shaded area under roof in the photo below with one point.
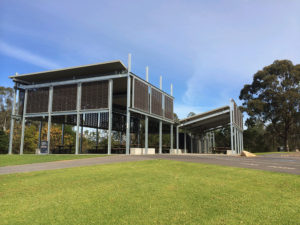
(91, 70)
(208, 120)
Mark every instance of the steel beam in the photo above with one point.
(110, 105)
(23, 123)
(78, 106)
(152, 116)
(12, 121)
(85, 80)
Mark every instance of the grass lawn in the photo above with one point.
(150, 192)
(8, 160)
(265, 153)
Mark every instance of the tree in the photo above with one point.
(6, 95)
(191, 114)
(274, 97)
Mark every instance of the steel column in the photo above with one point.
(146, 134)
(12, 121)
(40, 134)
(110, 96)
(160, 137)
(49, 117)
(231, 126)
(171, 137)
(128, 106)
(23, 123)
(81, 134)
(177, 138)
(185, 141)
(78, 106)
(191, 143)
(63, 134)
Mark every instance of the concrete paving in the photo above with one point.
(274, 162)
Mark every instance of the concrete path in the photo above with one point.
(69, 163)
(276, 163)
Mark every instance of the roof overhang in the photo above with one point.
(208, 120)
(111, 67)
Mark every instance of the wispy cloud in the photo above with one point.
(27, 56)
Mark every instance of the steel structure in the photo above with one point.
(199, 129)
(101, 96)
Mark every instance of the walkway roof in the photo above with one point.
(105, 68)
(207, 120)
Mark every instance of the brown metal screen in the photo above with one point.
(94, 95)
(64, 98)
(168, 107)
(141, 96)
(37, 100)
(156, 102)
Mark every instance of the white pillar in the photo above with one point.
(78, 106)
(110, 97)
(160, 137)
(128, 106)
(23, 122)
(12, 121)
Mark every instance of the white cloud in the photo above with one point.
(26, 56)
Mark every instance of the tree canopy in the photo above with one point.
(273, 97)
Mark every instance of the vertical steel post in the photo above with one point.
(40, 134)
(146, 134)
(231, 126)
(62, 134)
(177, 138)
(171, 137)
(49, 117)
(110, 116)
(160, 137)
(23, 122)
(128, 106)
(12, 121)
(97, 131)
(78, 106)
(185, 141)
(235, 140)
(192, 151)
(81, 134)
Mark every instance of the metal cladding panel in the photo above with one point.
(237, 116)
(21, 101)
(94, 95)
(156, 102)
(64, 98)
(169, 107)
(37, 100)
(141, 100)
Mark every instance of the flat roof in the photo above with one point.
(207, 120)
(90, 70)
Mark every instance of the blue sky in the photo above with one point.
(207, 49)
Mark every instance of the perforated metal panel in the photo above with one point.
(156, 102)
(64, 98)
(37, 100)
(141, 100)
(94, 95)
(169, 107)
(21, 101)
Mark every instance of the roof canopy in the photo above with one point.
(91, 70)
(208, 120)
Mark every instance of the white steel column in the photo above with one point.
(160, 137)
(78, 106)
(185, 141)
(40, 134)
(110, 99)
(171, 137)
(231, 126)
(12, 121)
(23, 122)
(49, 117)
(128, 106)
(177, 139)
(146, 134)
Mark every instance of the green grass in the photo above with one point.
(266, 153)
(150, 192)
(8, 160)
